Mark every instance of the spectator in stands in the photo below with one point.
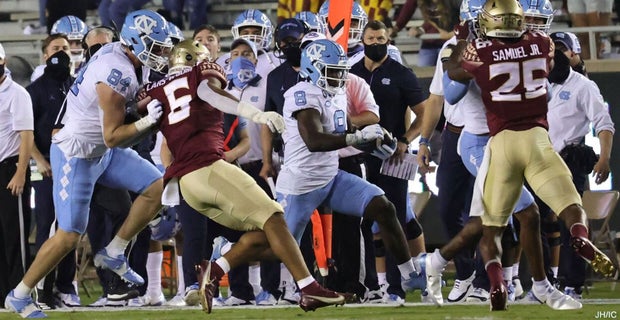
(57, 9)
(16, 128)
(113, 12)
(590, 13)
(48, 93)
(289, 8)
(439, 18)
(196, 11)
(377, 9)
(41, 28)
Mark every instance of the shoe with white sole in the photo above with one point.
(461, 289)
(118, 265)
(192, 296)
(557, 300)
(234, 301)
(265, 298)
(70, 300)
(518, 288)
(176, 301)
(26, 308)
(478, 295)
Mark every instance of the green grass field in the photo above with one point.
(603, 297)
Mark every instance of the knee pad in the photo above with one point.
(414, 229)
(554, 241)
(379, 248)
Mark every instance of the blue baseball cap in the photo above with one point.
(567, 39)
(291, 28)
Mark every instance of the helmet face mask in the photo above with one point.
(256, 19)
(538, 14)
(501, 19)
(324, 63)
(187, 54)
(146, 34)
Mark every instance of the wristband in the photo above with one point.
(404, 140)
(425, 141)
(144, 124)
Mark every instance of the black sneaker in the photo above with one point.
(120, 290)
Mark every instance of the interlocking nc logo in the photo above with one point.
(245, 75)
(315, 51)
(145, 24)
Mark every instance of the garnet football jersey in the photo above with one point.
(512, 77)
(191, 126)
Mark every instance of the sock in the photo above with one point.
(180, 276)
(406, 269)
(438, 262)
(117, 247)
(22, 291)
(579, 230)
(286, 279)
(515, 270)
(555, 271)
(303, 283)
(219, 268)
(382, 278)
(254, 275)
(153, 271)
(507, 273)
(541, 287)
(226, 248)
(494, 271)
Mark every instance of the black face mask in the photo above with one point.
(58, 66)
(561, 68)
(292, 53)
(91, 51)
(1, 70)
(375, 52)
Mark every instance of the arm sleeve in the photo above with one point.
(406, 12)
(454, 91)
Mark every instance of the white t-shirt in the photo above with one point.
(82, 134)
(15, 115)
(256, 96)
(304, 171)
(573, 106)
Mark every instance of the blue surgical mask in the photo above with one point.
(243, 70)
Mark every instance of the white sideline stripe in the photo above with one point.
(353, 305)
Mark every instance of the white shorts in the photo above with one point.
(589, 6)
